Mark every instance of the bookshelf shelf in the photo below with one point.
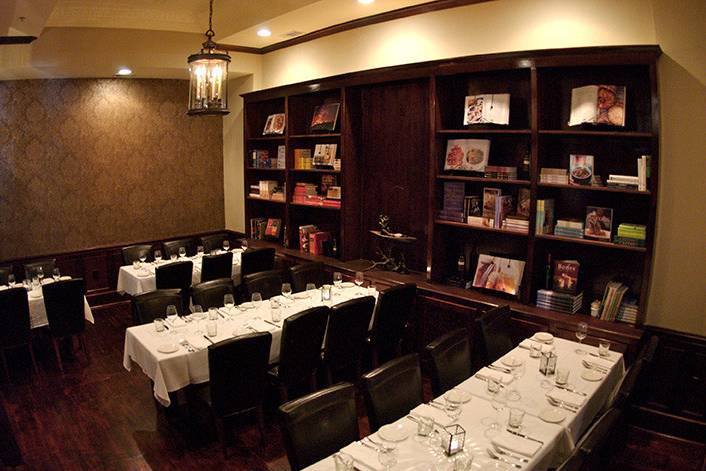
(314, 136)
(585, 133)
(266, 138)
(264, 200)
(317, 206)
(596, 243)
(518, 132)
(461, 178)
(313, 170)
(593, 188)
(258, 169)
(480, 228)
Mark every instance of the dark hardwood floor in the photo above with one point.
(100, 416)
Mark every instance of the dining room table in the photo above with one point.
(178, 356)
(135, 280)
(554, 415)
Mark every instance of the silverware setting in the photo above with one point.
(595, 366)
(211, 341)
(495, 456)
(500, 368)
(561, 404)
(593, 354)
(502, 451)
(368, 445)
(271, 323)
(187, 345)
(566, 388)
(524, 436)
(485, 378)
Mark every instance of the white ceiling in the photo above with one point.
(91, 38)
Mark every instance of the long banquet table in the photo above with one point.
(558, 439)
(142, 280)
(173, 371)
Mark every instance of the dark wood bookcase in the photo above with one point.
(393, 128)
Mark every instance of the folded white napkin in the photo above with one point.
(567, 397)
(261, 326)
(516, 444)
(604, 362)
(199, 341)
(437, 415)
(527, 344)
(486, 372)
(362, 455)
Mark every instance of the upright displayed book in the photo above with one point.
(467, 154)
(273, 230)
(503, 207)
(599, 223)
(317, 242)
(544, 222)
(281, 157)
(581, 169)
(325, 117)
(499, 274)
(566, 276)
(489, 197)
(257, 228)
(482, 109)
(274, 124)
(324, 155)
(612, 299)
(471, 206)
(598, 104)
(454, 194)
(523, 202)
(304, 232)
(303, 159)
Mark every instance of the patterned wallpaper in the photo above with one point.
(92, 162)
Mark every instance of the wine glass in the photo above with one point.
(387, 454)
(143, 257)
(39, 273)
(244, 244)
(10, 280)
(229, 302)
(493, 388)
(171, 313)
(359, 279)
(157, 256)
(198, 314)
(286, 290)
(517, 373)
(581, 333)
(226, 245)
(337, 279)
(199, 250)
(256, 299)
(56, 274)
(452, 409)
(182, 252)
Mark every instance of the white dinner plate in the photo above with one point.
(347, 284)
(458, 395)
(553, 415)
(168, 348)
(396, 432)
(544, 337)
(511, 361)
(592, 375)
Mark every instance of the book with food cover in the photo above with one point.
(489, 197)
(274, 124)
(599, 223)
(325, 154)
(304, 232)
(566, 275)
(598, 104)
(274, 228)
(480, 109)
(498, 274)
(467, 154)
(580, 169)
(325, 117)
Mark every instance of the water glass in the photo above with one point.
(244, 244)
(312, 293)
(228, 301)
(275, 311)
(256, 299)
(535, 350)
(199, 250)
(286, 290)
(581, 333)
(387, 454)
(425, 426)
(493, 385)
(343, 461)
(159, 324)
(211, 328)
(562, 376)
(359, 278)
(226, 245)
(172, 256)
(135, 265)
(514, 421)
(326, 293)
(56, 274)
(452, 409)
(337, 279)
(604, 348)
(157, 256)
(171, 311)
(212, 314)
(182, 252)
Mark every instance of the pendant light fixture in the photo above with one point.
(208, 76)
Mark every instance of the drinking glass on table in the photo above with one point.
(182, 252)
(157, 256)
(603, 348)
(517, 373)
(172, 256)
(244, 244)
(312, 292)
(337, 279)
(256, 299)
(425, 427)
(562, 376)
(514, 420)
(581, 333)
(286, 290)
(452, 409)
(40, 273)
(498, 401)
(212, 314)
(197, 314)
(275, 311)
(226, 245)
(56, 274)
(229, 302)
(387, 454)
(359, 279)
(11, 280)
(171, 311)
(143, 257)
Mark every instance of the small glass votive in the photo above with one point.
(535, 350)
(212, 314)
(159, 324)
(211, 328)
(603, 348)
(136, 264)
(372, 289)
(562, 376)
(326, 293)
(343, 461)
(514, 420)
(452, 439)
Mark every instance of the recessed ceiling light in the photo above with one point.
(123, 71)
(366, 2)
(264, 32)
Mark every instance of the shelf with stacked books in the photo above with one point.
(266, 138)
(568, 186)
(259, 169)
(464, 178)
(597, 243)
(315, 136)
(315, 205)
(265, 200)
(472, 227)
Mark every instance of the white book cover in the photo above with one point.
(598, 104)
(493, 108)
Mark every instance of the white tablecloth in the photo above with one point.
(143, 280)
(173, 371)
(38, 312)
(559, 439)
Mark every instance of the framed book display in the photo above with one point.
(325, 117)
(499, 274)
(467, 154)
(274, 124)
(599, 223)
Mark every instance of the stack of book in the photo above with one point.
(258, 228)
(303, 192)
(554, 175)
(633, 235)
(254, 191)
(557, 301)
(480, 221)
(612, 299)
(303, 159)
(628, 312)
(626, 182)
(454, 194)
(504, 173)
(544, 222)
(516, 223)
(569, 228)
(261, 159)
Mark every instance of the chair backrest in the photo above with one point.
(596, 441)
(176, 275)
(5, 272)
(134, 252)
(256, 260)
(312, 272)
(392, 390)
(319, 424)
(450, 359)
(215, 241)
(573, 463)
(492, 337)
(267, 283)
(238, 372)
(394, 308)
(347, 329)
(629, 383)
(649, 350)
(216, 266)
(151, 305)
(47, 265)
(211, 293)
(300, 349)
(14, 318)
(172, 247)
(64, 302)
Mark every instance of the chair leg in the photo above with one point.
(4, 365)
(34, 359)
(55, 341)
(82, 343)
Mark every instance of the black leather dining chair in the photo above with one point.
(170, 247)
(319, 424)
(311, 272)
(215, 241)
(450, 360)
(394, 308)
(267, 283)
(599, 440)
(392, 390)
(493, 335)
(300, 350)
(211, 293)
(64, 301)
(218, 266)
(347, 329)
(256, 260)
(176, 275)
(153, 304)
(134, 252)
(573, 463)
(237, 378)
(5, 272)
(48, 265)
(16, 328)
